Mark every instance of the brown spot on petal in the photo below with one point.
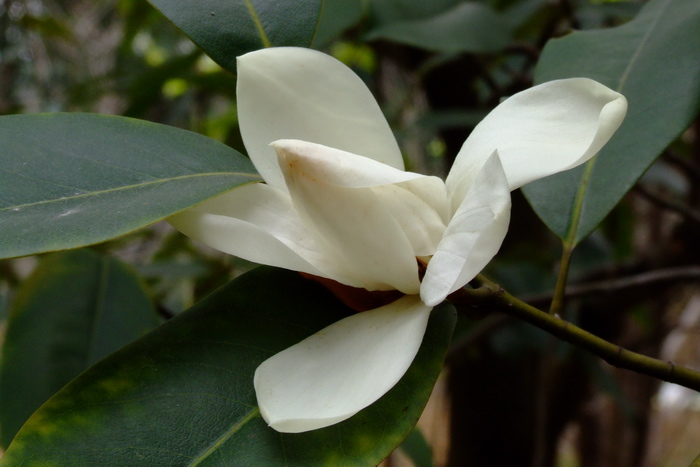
(422, 267)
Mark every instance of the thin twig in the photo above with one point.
(681, 273)
(559, 295)
(692, 170)
(490, 294)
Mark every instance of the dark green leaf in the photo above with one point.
(225, 29)
(76, 308)
(389, 11)
(654, 62)
(183, 394)
(70, 180)
(468, 27)
(336, 16)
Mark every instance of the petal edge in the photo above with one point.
(335, 373)
(546, 129)
(297, 93)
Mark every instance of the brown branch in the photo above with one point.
(491, 295)
(681, 273)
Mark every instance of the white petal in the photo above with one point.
(418, 203)
(335, 373)
(339, 167)
(541, 131)
(297, 93)
(420, 207)
(258, 223)
(473, 236)
(353, 225)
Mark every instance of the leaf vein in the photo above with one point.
(253, 177)
(635, 56)
(225, 436)
(258, 24)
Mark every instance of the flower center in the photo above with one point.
(356, 298)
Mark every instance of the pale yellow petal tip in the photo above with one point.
(432, 298)
(297, 425)
(292, 146)
(284, 143)
(614, 112)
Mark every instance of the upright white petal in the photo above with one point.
(335, 373)
(417, 202)
(354, 226)
(473, 236)
(297, 93)
(541, 131)
(421, 218)
(258, 223)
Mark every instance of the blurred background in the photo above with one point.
(510, 395)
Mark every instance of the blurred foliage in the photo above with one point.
(121, 58)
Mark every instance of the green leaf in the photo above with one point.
(76, 308)
(417, 449)
(389, 11)
(225, 29)
(183, 394)
(70, 180)
(337, 16)
(468, 27)
(654, 62)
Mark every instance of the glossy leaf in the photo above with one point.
(76, 308)
(225, 29)
(468, 27)
(653, 61)
(70, 180)
(183, 394)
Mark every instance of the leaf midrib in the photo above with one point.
(253, 177)
(214, 446)
(258, 24)
(638, 51)
(572, 235)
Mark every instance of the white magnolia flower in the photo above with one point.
(337, 204)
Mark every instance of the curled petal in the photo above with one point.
(418, 203)
(338, 167)
(297, 93)
(541, 131)
(340, 370)
(258, 223)
(353, 224)
(420, 217)
(473, 236)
